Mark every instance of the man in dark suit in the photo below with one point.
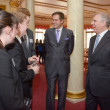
(28, 44)
(29, 51)
(98, 75)
(28, 39)
(59, 43)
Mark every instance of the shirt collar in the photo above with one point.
(19, 39)
(60, 28)
(102, 34)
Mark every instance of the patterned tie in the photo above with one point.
(96, 42)
(57, 35)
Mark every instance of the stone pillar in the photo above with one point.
(85, 39)
(75, 88)
(30, 7)
(109, 27)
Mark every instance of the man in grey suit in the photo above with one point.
(59, 43)
(98, 75)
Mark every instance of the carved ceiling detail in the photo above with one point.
(16, 3)
(50, 5)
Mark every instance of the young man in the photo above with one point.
(59, 43)
(28, 43)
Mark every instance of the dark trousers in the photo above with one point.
(92, 101)
(27, 88)
(62, 88)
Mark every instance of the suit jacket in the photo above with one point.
(57, 57)
(98, 75)
(30, 51)
(16, 51)
(11, 92)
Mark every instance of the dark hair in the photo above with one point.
(7, 19)
(62, 17)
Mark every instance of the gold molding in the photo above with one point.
(76, 95)
(91, 3)
(16, 3)
(3, 7)
(73, 95)
(88, 4)
(90, 12)
(62, 0)
(50, 5)
(95, 7)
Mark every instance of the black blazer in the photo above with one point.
(31, 49)
(98, 75)
(58, 55)
(11, 92)
(16, 51)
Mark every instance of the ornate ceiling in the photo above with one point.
(44, 9)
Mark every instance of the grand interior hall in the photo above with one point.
(78, 18)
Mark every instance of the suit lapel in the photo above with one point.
(92, 44)
(21, 51)
(102, 42)
(54, 35)
(63, 33)
(26, 50)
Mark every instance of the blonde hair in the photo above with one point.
(24, 11)
(21, 16)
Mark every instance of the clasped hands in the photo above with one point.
(33, 61)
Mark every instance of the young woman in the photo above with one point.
(16, 51)
(11, 92)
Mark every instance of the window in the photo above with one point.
(39, 34)
(89, 33)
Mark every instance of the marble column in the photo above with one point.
(85, 39)
(109, 27)
(30, 7)
(75, 88)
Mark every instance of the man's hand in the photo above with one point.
(34, 59)
(34, 67)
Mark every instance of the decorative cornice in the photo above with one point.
(95, 7)
(16, 3)
(87, 4)
(3, 7)
(96, 4)
(62, 0)
(50, 5)
(89, 12)
(90, 3)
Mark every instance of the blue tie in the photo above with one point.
(96, 42)
(57, 35)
